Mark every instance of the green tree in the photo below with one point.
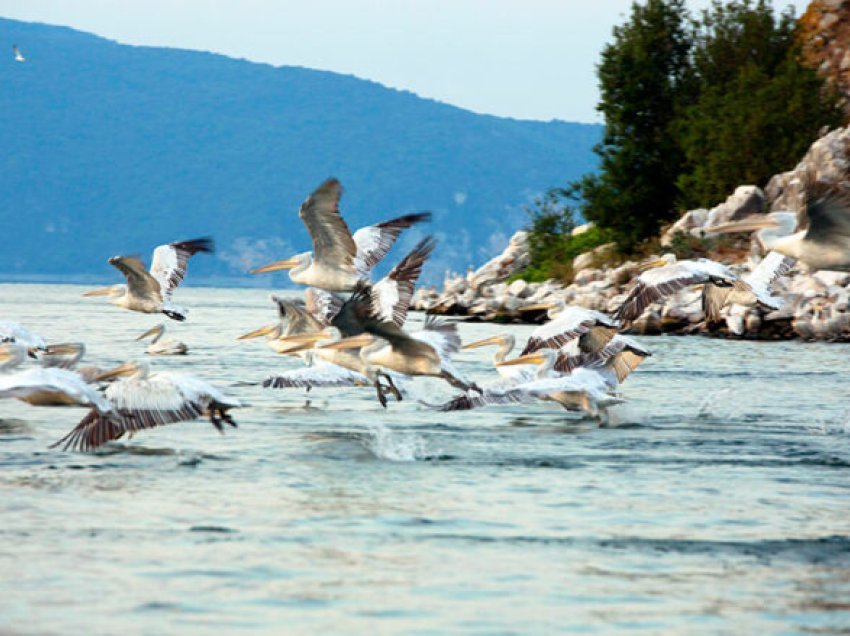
(757, 109)
(644, 78)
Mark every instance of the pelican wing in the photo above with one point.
(714, 298)
(164, 398)
(323, 305)
(391, 296)
(772, 267)
(139, 281)
(300, 320)
(622, 354)
(321, 374)
(441, 335)
(170, 262)
(13, 332)
(332, 241)
(39, 381)
(826, 216)
(374, 241)
(569, 324)
(660, 282)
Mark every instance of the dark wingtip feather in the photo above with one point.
(407, 220)
(193, 246)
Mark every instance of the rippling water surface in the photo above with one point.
(717, 501)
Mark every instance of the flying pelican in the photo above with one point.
(593, 328)
(145, 400)
(160, 347)
(14, 332)
(150, 292)
(424, 353)
(46, 386)
(615, 361)
(339, 261)
(665, 276)
(583, 389)
(751, 290)
(822, 236)
(17, 53)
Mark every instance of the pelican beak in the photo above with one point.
(286, 345)
(483, 343)
(150, 332)
(354, 342)
(289, 263)
(262, 331)
(531, 358)
(105, 291)
(658, 262)
(538, 307)
(128, 368)
(6, 352)
(747, 225)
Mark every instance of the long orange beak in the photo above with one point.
(747, 225)
(104, 291)
(262, 331)
(538, 306)
(531, 358)
(354, 342)
(289, 263)
(483, 343)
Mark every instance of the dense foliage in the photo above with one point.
(693, 108)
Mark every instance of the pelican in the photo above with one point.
(160, 347)
(46, 386)
(339, 261)
(822, 236)
(294, 319)
(583, 389)
(19, 57)
(665, 276)
(14, 332)
(593, 328)
(751, 290)
(150, 292)
(143, 400)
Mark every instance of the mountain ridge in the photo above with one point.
(121, 147)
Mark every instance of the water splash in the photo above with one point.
(384, 443)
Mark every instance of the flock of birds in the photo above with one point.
(349, 330)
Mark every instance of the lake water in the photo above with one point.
(718, 502)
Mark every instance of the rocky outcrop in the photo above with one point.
(817, 304)
(825, 40)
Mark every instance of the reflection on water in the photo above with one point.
(714, 501)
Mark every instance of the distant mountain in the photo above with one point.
(111, 149)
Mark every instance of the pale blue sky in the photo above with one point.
(530, 59)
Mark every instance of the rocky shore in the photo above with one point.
(817, 303)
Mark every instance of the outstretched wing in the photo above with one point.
(374, 241)
(439, 334)
(391, 296)
(170, 262)
(332, 242)
(322, 305)
(826, 216)
(299, 319)
(321, 374)
(658, 283)
(571, 323)
(139, 281)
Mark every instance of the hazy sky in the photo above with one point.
(530, 59)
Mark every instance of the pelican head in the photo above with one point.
(298, 262)
(270, 331)
(131, 369)
(768, 228)
(544, 357)
(64, 355)
(153, 331)
(111, 291)
(499, 339)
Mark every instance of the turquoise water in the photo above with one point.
(717, 502)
